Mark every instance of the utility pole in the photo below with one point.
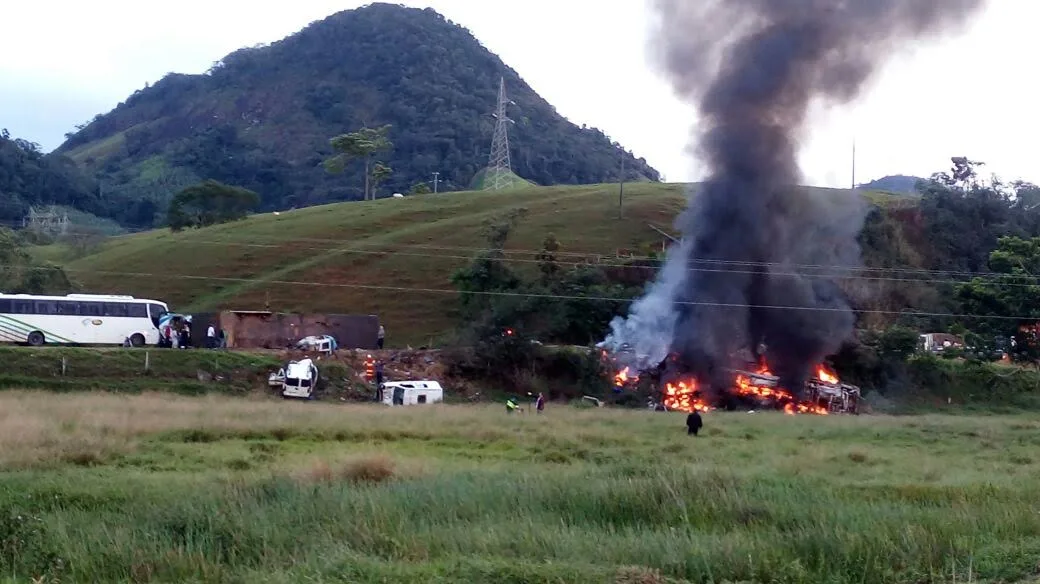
(499, 172)
(621, 191)
(436, 181)
(853, 163)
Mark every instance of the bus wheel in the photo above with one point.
(137, 340)
(36, 339)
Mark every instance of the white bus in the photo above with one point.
(79, 319)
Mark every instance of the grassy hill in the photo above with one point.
(263, 116)
(392, 257)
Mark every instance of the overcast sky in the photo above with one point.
(975, 93)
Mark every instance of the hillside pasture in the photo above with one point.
(391, 257)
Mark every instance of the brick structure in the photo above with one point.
(273, 330)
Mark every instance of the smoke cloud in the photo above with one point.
(754, 69)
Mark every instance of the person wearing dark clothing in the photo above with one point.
(539, 404)
(693, 423)
(379, 380)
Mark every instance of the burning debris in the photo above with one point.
(737, 281)
(822, 394)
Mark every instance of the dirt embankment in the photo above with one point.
(345, 377)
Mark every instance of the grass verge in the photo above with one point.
(158, 488)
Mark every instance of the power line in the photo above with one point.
(842, 272)
(748, 264)
(347, 250)
(586, 254)
(534, 295)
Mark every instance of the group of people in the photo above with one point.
(172, 336)
(175, 337)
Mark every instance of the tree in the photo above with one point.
(488, 272)
(209, 203)
(19, 274)
(363, 144)
(1011, 293)
(380, 173)
(547, 259)
(420, 188)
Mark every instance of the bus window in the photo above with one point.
(22, 307)
(156, 311)
(68, 308)
(5, 305)
(90, 309)
(46, 307)
(115, 309)
(136, 310)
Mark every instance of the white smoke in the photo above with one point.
(644, 339)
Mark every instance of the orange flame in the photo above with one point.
(624, 377)
(745, 387)
(826, 375)
(683, 395)
(805, 408)
(680, 396)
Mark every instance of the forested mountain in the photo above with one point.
(899, 184)
(29, 178)
(262, 117)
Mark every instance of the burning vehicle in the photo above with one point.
(755, 387)
(759, 289)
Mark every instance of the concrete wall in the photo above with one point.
(279, 330)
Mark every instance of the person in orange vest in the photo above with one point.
(370, 368)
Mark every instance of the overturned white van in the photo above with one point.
(411, 393)
(300, 379)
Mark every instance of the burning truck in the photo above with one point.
(754, 387)
(760, 288)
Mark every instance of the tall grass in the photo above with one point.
(216, 490)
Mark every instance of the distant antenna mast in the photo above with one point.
(499, 173)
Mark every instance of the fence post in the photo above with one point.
(147, 360)
(64, 366)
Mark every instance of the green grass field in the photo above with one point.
(336, 257)
(150, 488)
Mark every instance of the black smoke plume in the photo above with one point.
(739, 280)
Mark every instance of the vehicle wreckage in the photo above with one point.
(755, 386)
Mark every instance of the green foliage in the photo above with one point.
(484, 283)
(988, 385)
(28, 178)
(210, 203)
(898, 343)
(876, 360)
(20, 274)
(552, 308)
(548, 259)
(380, 174)
(362, 145)
(262, 116)
(1011, 293)
(420, 188)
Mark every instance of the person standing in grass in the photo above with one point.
(693, 423)
(539, 404)
(380, 336)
